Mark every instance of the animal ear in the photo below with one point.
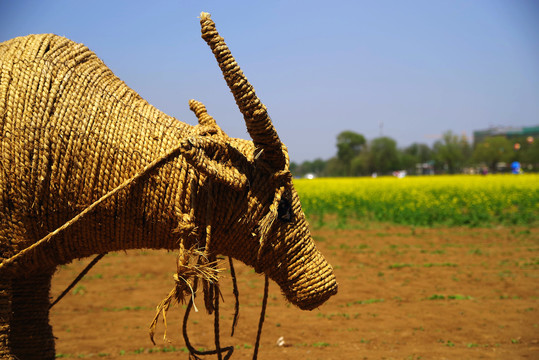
(204, 119)
(217, 159)
(210, 152)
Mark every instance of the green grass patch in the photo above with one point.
(362, 302)
(449, 297)
(321, 344)
(399, 266)
(447, 264)
(79, 290)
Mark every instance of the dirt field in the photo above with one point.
(404, 293)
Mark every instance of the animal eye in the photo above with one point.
(284, 210)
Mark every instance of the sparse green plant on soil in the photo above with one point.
(399, 266)
(362, 302)
(476, 252)
(437, 252)
(449, 297)
(320, 344)
(79, 290)
(430, 295)
(440, 265)
(93, 277)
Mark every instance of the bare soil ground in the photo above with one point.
(404, 293)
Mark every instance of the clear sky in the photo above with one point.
(418, 68)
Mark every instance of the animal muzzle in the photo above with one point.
(305, 277)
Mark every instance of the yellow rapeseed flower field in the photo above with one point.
(425, 200)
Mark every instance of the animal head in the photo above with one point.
(255, 212)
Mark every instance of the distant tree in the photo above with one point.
(349, 145)
(407, 161)
(421, 152)
(493, 150)
(415, 154)
(294, 167)
(529, 154)
(383, 155)
(467, 150)
(451, 152)
(526, 150)
(335, 167)
(316, 167)
(360, 164)
(306, 167)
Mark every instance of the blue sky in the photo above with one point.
(418, 68)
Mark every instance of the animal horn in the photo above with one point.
(256, 116)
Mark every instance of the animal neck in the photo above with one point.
(146, 212)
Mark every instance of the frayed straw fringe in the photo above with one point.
(187, 274)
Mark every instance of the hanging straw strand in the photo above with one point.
(216, 326)
(236, 295)
(262, 315)
(193, 353)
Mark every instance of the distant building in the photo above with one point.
(509, 132)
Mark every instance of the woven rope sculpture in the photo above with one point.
(87, 167)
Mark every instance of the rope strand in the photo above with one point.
(77, 279)
(193, 353)
(262, 315)
(236, 295)
(216, 326)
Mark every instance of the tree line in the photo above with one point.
(449, 155)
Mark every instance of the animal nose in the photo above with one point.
(313, 285)
(305, 277)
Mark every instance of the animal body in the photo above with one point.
(71, 132)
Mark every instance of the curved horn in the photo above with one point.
(256, 116)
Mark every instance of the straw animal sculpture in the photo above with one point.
(88, 167)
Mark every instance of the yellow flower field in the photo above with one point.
(425, 200)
